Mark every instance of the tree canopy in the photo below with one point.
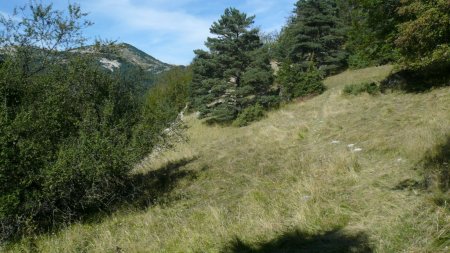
(234, 73)
(424, 35)
(314, 36)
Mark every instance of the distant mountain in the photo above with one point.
(128, 60)
(115, 56)
(140, 58)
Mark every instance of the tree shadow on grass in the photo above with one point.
(334, 241)
(151, 187)
(145, 189)
(415, 81)
(436, 166)
(138, 193)
(436, 170)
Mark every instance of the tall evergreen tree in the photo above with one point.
(373, 27)
(314, 36)
(230, 76)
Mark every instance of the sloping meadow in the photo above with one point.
(334, 173)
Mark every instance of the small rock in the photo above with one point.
(306, 197)
(335, 142)
(350, 145)
(357, 150)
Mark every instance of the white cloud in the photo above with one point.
(163, 29)
(147, 18)
(171, 30)
(260, 7)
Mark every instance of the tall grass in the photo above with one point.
(262, 188)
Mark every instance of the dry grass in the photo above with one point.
(281, 185)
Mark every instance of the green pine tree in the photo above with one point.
(231, 75)
(315, 35)
(372, 31)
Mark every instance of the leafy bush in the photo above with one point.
(248, 115)
(163, 103)
(68, 129)
(424, 35)
(356, 89)
(358, 60)
(296, 82)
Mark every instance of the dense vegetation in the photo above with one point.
(322, 37)
(281, 185)
(413, 33)
(69, 131)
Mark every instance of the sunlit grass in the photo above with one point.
(290, 171)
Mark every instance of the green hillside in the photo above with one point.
(335, 173)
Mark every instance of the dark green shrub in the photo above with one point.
(222, 114)
(423, 36)
(356, 89)
(358, 61)
(248, 115)
(162, 105)
(70, 132)
(297, 82)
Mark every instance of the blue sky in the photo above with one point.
(167, 29)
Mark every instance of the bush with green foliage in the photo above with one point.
(424, 35)
(68, 129)
(162, 105)
(249, 115)
(296, 82)
(356, 89)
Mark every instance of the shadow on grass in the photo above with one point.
(153, 186)
(409, 184)
(437, 166)
(334, 241)
(143, 190)
(416, 81)
(137, 193)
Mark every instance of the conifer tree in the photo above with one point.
(372, 31)
(230, 76)
(314, 36)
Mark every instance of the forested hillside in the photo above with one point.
(331, 135)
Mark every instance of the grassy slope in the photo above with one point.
(280, 185)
